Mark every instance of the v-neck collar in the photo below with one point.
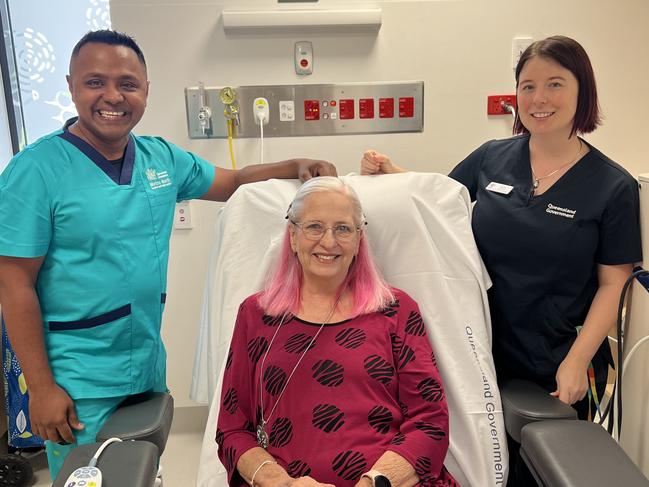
(526, 168)
(102, 163)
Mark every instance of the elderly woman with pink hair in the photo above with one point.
(330, 378)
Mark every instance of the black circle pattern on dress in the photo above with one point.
(229, 455)
(299, 343)
(415, 325)
(231, 401)
(379, 369)
(422, 466)
(391, 309)
(430, 390)
(431, 430)
(406, 355)
(271, 320)
(349, 465)
(248, 426)
(404, 408)
(281, 432)
(274, 380)
(433, 359)
(328, 373)
(219, 438)
(350, 338)
(228, 362)
(397, 343)
(256, 348)
(298, 468)
(258, 415)
(328, 418)
(398, 439)
(380, 419)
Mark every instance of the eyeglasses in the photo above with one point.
(316, 230)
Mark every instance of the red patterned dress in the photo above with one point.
(366, 385)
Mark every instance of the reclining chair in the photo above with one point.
(142, 422)
(558, 449)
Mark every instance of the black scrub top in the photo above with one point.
(542, 251)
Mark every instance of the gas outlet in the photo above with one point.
(496, 104)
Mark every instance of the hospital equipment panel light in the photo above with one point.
(302, 17)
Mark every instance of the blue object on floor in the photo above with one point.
(16, 399)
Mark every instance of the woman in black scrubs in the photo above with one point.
(557, 224)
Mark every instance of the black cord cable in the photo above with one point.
(610, 409)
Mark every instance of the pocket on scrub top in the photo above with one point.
(92, 322)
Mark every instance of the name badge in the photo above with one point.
(499, 188)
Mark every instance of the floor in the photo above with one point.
(180, 459)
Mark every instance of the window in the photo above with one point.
(39, 37)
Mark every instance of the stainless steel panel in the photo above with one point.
(298, 94)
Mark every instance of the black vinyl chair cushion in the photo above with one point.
(145, 417)
(577, 454)
(525, 402)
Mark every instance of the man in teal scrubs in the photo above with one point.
(85, 220)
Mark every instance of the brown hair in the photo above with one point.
(572, 56)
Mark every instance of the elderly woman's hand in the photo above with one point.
(307, 482)
(310, 168)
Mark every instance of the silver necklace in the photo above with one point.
(262, 434)
(535, 183)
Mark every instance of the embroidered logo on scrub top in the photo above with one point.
(557, 210)
(158, 180)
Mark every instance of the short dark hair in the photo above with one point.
(572, 56)
(109, 37)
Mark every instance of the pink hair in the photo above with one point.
(369, 290)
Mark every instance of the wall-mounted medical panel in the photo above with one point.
(308, 109)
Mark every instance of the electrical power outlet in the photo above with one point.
(495, 104)
(183, 216)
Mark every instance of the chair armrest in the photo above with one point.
(145, 417)
(526, 402)
(577, 454)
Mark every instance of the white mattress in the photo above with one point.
(420, 232)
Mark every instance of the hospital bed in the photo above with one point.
(143, 423)
(420, 233)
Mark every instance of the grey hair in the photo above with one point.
(323, 184)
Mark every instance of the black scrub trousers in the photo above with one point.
(542, 252)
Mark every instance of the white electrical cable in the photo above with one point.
(261, 131)
(100, 450)
(510, 108)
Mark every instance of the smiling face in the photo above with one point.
(547, 97)
(326, 260)
(109, 88)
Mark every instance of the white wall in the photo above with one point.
(460, 48)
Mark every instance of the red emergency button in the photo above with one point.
(346, 109)
(366, 108)
(311, 109)
(406, 107)
(386, 107)
(304, 63)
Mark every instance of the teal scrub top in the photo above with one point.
(105, 238)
